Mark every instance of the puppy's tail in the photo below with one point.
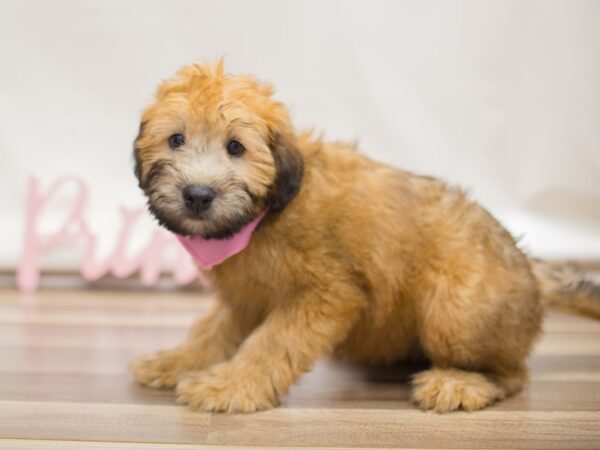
(563, 286)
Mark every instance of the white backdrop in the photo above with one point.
(501, 97)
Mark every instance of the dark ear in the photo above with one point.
(289, 168)
(137, 170)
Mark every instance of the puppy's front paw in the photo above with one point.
(222, 389)
(163, 369)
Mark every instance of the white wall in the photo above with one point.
(502, 97)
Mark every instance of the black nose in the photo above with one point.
(198, 198)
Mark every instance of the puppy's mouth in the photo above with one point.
(216, 211)
(205, 224)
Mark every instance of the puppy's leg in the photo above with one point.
(286, 345)
(477, 341)
(212, 339)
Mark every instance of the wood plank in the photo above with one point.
(103, 338)
(28, 444)
(89, 319)
(302, 427)
(568, 344)
(100, 298)
(557, 322)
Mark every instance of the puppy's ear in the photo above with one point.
(137, 170)
(289, 168)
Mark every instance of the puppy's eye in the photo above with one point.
(234, 148)
(176, 140)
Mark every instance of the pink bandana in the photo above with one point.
(210, 252)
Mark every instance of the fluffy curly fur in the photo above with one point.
(354, 259)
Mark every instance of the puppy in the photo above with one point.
(352, 258)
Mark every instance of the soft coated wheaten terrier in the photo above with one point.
(353, 258)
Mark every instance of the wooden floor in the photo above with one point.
(64, 385)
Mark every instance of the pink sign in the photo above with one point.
(148, 262)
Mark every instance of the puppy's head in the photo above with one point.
(213, 151)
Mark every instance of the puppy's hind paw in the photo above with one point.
(444, 390)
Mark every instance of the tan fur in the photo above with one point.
(368, 263)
